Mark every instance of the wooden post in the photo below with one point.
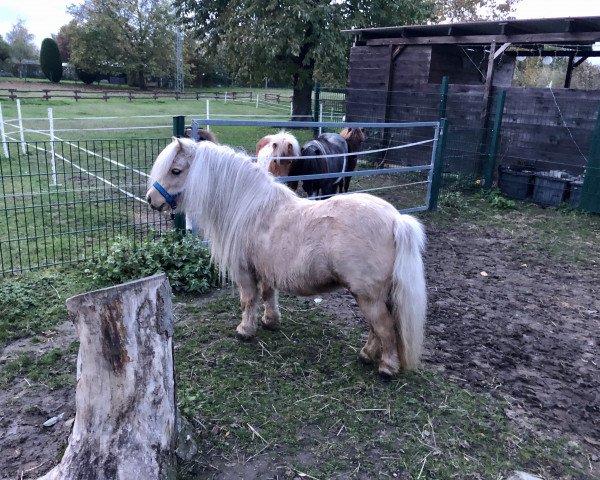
(569, 71)
(486, 104)
(494, 141)
(125, 422)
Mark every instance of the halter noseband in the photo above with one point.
(168, 197)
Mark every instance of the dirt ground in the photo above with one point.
(520, 326)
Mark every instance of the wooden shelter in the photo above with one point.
(395, 75)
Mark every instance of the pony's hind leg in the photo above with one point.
(382, 325)
(271, 319)
(246, 330)
(371, 352)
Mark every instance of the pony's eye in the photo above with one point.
(175, 171)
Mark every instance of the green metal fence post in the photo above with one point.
(316, 106)
(179, 131)
(494, 141)
(443, 98)
(438, 164)
(590, 191)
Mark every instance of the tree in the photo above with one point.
(294, 41)
(117, 36)
(21, 44)
(299, 41)
(64, 39)
(4, 50)
(473, 10)
(50, 60)
(544, 71)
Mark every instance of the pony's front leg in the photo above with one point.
(246, 330)
(271, 320)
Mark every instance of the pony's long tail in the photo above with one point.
(408, 296)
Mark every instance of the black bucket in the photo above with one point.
(575, 187)
(549, 189)
(515, 182)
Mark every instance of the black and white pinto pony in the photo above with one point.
(268, 239)
(324, 154)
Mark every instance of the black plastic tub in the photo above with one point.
(575, 187)
(515, 182)
(550, 189)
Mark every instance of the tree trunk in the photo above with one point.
(125, 423)
(302, 100)
(142, 79)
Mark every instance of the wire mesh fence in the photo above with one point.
(71, 207)
(540, 145)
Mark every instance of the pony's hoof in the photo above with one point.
(385, 375)
(365, 358)
(244, 337)
(272, 325)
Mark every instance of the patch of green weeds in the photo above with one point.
(55, 368)
(33, 303)
(300, 399)
(182, 256)
(452, 201)
(497, 201)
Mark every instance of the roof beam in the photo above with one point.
(540, 38)
(499, 51)
(553, 53)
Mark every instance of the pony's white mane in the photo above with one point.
(229, 196)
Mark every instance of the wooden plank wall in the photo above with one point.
(548, 129)
(541, 128)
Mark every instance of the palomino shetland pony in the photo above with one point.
(269, 239)
(324, 154)
(272, 150)
(354, 138)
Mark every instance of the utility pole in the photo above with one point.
(179, 60)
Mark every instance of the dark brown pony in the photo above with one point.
(354, 138)
(203, 135)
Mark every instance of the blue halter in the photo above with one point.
(168, 197)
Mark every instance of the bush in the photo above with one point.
(50, 60)
(86, 77)
(182, 256)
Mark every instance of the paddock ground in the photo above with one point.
(510, 378)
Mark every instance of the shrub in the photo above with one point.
(86, 77)
(50, 60)
(181, 256)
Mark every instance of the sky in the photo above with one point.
(44, 17)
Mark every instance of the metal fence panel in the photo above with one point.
(71, 207)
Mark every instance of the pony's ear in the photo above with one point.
(261, 143)
(187, 147)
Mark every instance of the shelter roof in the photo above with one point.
(573, 31)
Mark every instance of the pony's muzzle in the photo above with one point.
(156, 205)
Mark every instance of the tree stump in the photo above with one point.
(125, 422)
